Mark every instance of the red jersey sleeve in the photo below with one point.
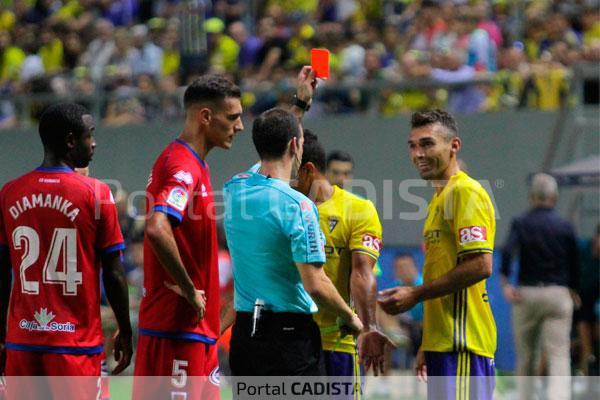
(175, 190)
(109, 237)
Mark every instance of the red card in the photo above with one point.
(319, 61)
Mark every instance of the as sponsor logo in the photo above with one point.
(184, 176)
(44, 322)
(472, 234)
(371, 242)
(178, 198)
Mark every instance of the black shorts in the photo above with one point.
(287, 344)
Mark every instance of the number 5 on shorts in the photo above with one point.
(179, 374)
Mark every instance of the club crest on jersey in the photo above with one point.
(44, 323)
(203, 191)
(178, 198)
(472, 234)
(332, 222)
(185, 177)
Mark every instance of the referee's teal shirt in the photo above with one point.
(270, 227)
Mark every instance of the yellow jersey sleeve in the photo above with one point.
(473, 221)
(366, 229)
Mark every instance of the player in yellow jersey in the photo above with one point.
(459, 332)
(353, 242)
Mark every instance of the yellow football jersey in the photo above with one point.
(349, 224)
(460, 221)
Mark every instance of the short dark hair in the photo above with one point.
(57, 121)
(339, 155)
(210, 88)
(313, 151)
(272, 131)
(428, 117)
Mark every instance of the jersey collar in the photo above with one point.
(181, 142)
(54, 169)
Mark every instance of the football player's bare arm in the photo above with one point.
(470, 269)
(363, 287)
(160, 235)
(115, 285)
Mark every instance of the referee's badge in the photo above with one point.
(332, 222)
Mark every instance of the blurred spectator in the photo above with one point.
(258, 43)
(51, 50)
(11, 60)
(148, 96)
(222, 49)
(481, 50)
(548, 84)
(229, 11)
(274, 51)
(72, 51)
(543, 302)
(41, 10)
(171, 58)
(249, 45)
(586, 317)
(8, 119)
(149, 57)
(100, 50)
(170, 98)
(119, 12)
(33, 65)
(123, 106)
(124, 54)
(558, 29)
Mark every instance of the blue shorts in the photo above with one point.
(459, 376)
(344, 367)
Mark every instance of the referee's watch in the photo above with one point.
(303, 105)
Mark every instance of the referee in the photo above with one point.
(277, 250)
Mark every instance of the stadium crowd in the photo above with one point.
(127, 59)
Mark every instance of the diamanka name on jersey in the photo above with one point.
(46, 201)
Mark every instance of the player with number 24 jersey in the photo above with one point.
(55, 223)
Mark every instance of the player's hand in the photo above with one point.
(307, 84)
(123, 352)
(198, 301)
(511, 294)
(372, 346)
(420, 367)
(397, 300)
(351, 326)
